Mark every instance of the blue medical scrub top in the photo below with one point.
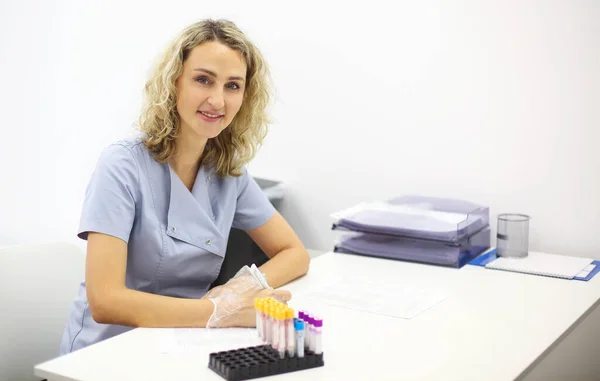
(176, 238)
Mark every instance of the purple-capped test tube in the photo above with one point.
(302, 316)
(309, 331)
(317, 335)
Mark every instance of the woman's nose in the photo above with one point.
(216, 99)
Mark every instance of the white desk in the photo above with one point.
(493, 325)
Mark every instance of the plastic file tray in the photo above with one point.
(420, 217)
(416, 250)
(259, 361)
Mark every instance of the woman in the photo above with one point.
(158, 209)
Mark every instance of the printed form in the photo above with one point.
(402, 302)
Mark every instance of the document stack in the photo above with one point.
(421, 229)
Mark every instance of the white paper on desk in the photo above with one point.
(375, 297)
(177, 340)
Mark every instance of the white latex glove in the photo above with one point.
(241, 280)
(234, 301)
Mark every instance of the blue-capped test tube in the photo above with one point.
(299, 328)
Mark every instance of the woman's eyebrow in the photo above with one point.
(212, 73)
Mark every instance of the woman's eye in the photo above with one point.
(233, 86)
(202, 80)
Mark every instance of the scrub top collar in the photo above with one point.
(190, 217)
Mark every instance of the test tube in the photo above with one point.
(281, 313)
(304, 319)
(257, 303)
(299, 326)
(275, 331)
(269, 323)
(273, 319)
(291, 335)
(263, 319)
(307, 330)
(318, 335)
(312, 334)
(265, 307)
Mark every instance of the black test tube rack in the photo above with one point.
(259, 361)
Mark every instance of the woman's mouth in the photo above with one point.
(208, 116)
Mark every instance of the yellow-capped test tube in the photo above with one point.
(272, 324)
(270, 319)
(290, 332)
(257, 304)
(279, 330)
(266, 320)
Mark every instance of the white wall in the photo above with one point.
(496, 102)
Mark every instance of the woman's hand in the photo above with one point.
(233, 310)
(234, 301)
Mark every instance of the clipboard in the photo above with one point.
(491, 255)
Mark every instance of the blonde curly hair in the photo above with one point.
(235, 146)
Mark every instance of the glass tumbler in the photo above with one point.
(512, 236)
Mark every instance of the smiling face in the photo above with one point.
(210, 90)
